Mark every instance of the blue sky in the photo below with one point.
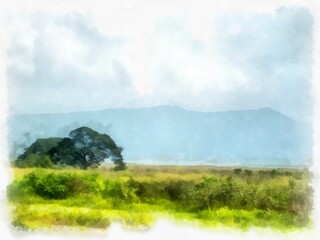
(75, 61)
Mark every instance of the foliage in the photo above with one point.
(87, 148)
(84, 148)
(55, 185)
(36, 155)
(248, 172)
(94, 198)
(40, 147)
(35, 160)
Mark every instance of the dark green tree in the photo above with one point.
(83, 148)
(37, 154)
(40, 146)
(87, 148)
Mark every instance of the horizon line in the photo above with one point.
(151, 107)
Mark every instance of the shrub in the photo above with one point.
(178, 190)
(262, 173)
(150, 191)
(121, 191)
(226, 198)
(204, 194)
(85, 184)
(52, 186)
(56, 185)
(19, 190)
(274, 173)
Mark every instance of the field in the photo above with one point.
(201, 195)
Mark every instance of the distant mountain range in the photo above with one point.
(173, 135)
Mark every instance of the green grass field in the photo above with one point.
(203, 195)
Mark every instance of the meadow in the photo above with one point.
(201, 195)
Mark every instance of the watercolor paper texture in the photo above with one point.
(161, 117)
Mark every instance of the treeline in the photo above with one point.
(292, 197)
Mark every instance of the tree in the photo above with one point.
(35, 160)
(37, 154)
(40, 146)
(87, 148)
(83, 148)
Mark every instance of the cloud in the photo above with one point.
(184, 67)
(67, 63)
(207, 62)
(254, 60)
(274, 51)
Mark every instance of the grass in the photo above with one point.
(203, 195)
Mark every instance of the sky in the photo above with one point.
(202, 60)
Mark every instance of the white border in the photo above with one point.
(163, 228)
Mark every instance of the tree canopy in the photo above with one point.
(83, 148)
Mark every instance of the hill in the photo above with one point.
(173, 135)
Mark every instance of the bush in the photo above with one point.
(149, 191)
(225, 198)
(52, 186)
(121, 191)
(55, 185)
(178, 190)
(85, 184)
(274, 173)
(19, 190)
(204, 194)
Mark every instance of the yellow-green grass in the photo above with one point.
(53, 216)
(90, 211)
(151, 172)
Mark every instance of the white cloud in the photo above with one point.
(196, 57)
(23, 40)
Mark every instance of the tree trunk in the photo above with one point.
(84, 161)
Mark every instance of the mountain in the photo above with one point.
(173, 135)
